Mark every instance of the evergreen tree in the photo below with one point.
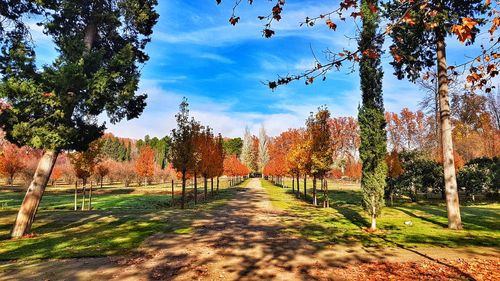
(233, 146)
(56, 107)
(371, 114)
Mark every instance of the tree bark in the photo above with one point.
(83, 193)
(90, 196)
(212, 186)
(315, 200)
(298, 185)
(205, 187)
(450, 180)
(305, 187)
(31, 201)
(195, 189)
(76, 194)
(217, 184)
(172, 193)
(183, 188)
(293, 184)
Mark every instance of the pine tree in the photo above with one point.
(371, 114)
(55, 107)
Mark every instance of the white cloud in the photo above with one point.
(216, 57)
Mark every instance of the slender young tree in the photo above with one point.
(371, 114)
(247, 156)
(183, 148)
(263, 149)
(100, 47)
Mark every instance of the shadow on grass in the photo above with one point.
(411, 214)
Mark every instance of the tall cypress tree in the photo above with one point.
(371, 114)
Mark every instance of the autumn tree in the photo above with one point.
(84, 164)
(318, 129)
(100, 46)
(418, 44)
(206, 147)
(145, 164)
(102, 169)
(183, 145)
(220, 154)
(371, 114)
(299, 158)
(12, 161)
(345, 138)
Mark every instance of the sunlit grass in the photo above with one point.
(345, 222)
(118, 223)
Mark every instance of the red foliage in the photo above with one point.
(12, 160)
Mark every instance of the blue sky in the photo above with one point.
(196, 53)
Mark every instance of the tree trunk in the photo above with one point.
(217, 184)
(195, 189)
(298, 185)
(374, 223)
(172, 193)
(315, 200)
(327, 197)
(31, 201)
(83, 193)
(90, 196)
(102, 178)
(450, 180)
(212, 186)
(293, 184)
(205, 187)
(76, 194)
(183, 189)
(374, 216)
(305, 187)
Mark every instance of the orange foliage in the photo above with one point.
(233, 167)
(145, 164)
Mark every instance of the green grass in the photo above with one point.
(345, 222)
(118, 223)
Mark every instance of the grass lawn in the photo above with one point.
(345, 221)
(118, 223)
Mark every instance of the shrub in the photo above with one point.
(419, 175)
(481, 175)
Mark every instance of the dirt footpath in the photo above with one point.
(244, 241)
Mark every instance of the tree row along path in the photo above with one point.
(244, 240)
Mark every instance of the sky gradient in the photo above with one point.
(220, 68)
